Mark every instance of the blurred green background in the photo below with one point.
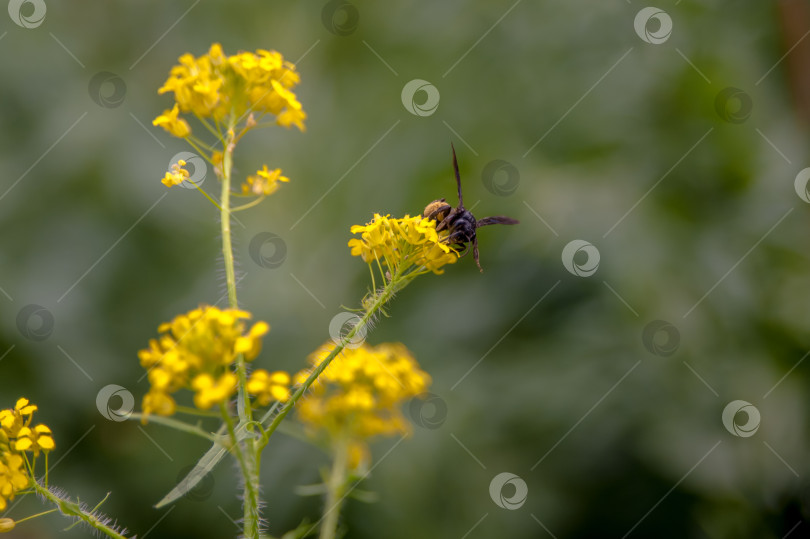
(613, 420)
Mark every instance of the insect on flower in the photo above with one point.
(459, 221)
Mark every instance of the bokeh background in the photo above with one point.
(673, 152)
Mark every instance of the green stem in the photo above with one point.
(251, 488)
(49, 511)
(225, 205)
(335, 488)
(250, 471)
(73, 509)
(177, 425)
(385, 294)
(249, 204)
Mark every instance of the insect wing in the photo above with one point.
(497, 220)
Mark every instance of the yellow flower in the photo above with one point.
(196, 351)
(211, 391)
(157, 402)
(409, 245)
(11, 421)
(171, 123)
(359, 394)
(16, 437)
(264, 182)
(268, 386)
(215, 85)
(176, 175)
(13, 477)
(35, 440)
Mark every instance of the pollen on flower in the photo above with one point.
(360, 392)
(197, 351)
(176, 175)
(402, 244)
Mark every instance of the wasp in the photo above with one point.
(459, 222)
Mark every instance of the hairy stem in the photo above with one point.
(72, 509)
(248, 466)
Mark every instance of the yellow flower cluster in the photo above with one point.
(216, 86)
(196, 351)
(16, 437)
(264, 182)
(402, 243)
(359, 394)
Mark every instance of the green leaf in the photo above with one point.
(204, 465)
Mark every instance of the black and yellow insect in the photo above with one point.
(459, 221)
